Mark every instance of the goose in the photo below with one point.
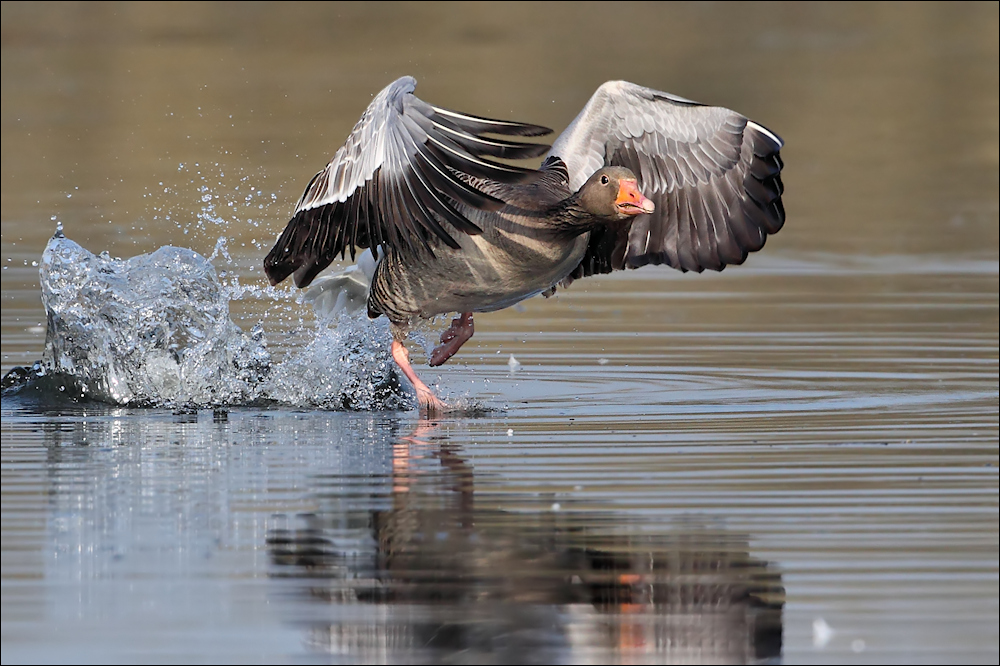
(639, 177)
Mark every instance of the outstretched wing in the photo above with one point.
(714, 175)
(394, 183)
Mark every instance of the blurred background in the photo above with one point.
(115, 114)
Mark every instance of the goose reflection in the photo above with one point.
(420, 567)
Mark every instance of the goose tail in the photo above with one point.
(345, 291)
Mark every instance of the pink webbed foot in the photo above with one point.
(452, 339)
(430, 405)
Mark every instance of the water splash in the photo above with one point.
(346, 366)
(155, 330)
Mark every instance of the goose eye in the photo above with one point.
(604, 180)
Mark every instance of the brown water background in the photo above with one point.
(822, 421)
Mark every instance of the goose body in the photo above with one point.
(517, 255)
(639, 177)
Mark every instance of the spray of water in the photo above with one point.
(155, 330)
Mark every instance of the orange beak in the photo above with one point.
(630, 201)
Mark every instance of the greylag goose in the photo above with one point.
(639, 177)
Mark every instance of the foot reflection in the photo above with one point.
(422, 567)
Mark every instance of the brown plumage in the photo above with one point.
(639, 177)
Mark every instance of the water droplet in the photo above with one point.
(513, 364)
(822, 633)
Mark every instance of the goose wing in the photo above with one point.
(393, 184)
(714, 175)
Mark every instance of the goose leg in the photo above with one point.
(453, 338)
(430, 405)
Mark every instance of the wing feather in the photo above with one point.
(396, 183)
(714, 175)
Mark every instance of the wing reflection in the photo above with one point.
(419, 566)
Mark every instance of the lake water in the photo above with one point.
(794, 460)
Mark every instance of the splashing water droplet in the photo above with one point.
(155, 330)
(513, 364)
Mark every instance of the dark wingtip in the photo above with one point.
(273, 269)
(293, 253)
(763, 183)
(306, 273)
